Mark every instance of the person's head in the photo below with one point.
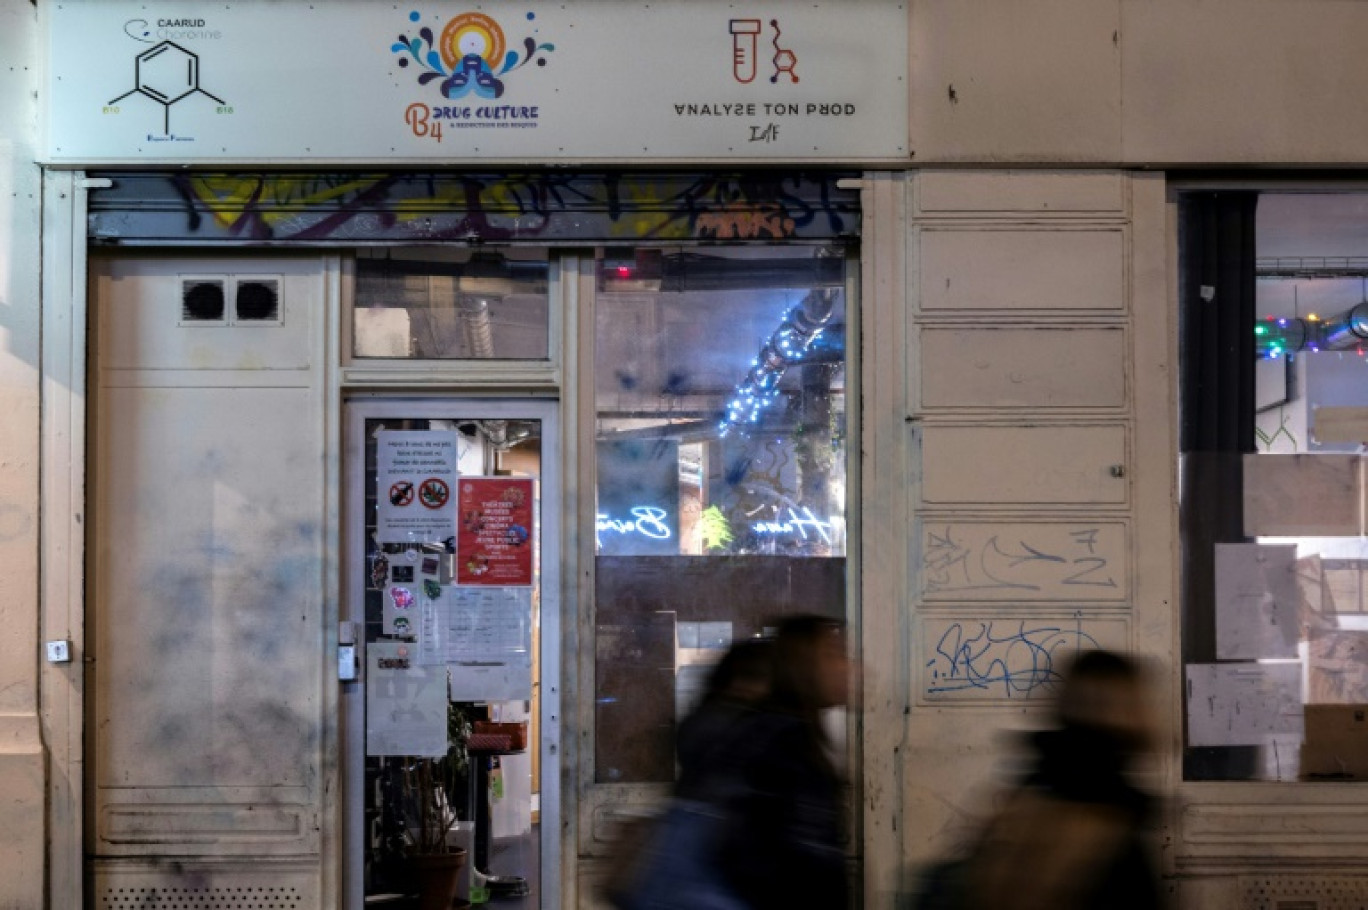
(1103, 691)
(811, 668)
(743, 673)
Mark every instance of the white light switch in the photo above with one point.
(58, 652)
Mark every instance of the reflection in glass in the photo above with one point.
(720, 380)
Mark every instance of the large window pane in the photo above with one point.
(1275, 426)
(450, 303)
(720, 385)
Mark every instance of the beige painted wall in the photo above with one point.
(21, 758)
(1148, 82)
(1030, 438)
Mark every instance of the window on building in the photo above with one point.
(450, 303)
(720, 391)
(1274, 431)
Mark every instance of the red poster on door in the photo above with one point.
(495, 538)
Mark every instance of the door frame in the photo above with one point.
(70, 853)
(356, 410)
(61, 528)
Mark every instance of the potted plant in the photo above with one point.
(433, 788)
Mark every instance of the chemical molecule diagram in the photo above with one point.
(167, 73)
(745, 43)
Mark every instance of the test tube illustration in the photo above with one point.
(745, 37)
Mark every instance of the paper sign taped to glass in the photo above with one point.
(1258, 601)
(488, 639)
(1243, 704)
(1337, 671)
(406, 702)
(496, 541)
(1302, 496)
(415, 482)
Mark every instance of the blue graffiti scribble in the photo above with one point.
(1017, 658)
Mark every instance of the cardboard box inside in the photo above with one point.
(1336, 745)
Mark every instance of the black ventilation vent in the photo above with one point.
(202, 300)
(258, 300)
(257, 897)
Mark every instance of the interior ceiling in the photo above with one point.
(1312, 225)
(1321, 242)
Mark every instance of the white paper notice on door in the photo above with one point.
(1243, 704)
(1257, 601)
(432, 628)
(415, 486)
(406, 702)
(488, 639)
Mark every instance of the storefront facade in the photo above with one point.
(959, 256)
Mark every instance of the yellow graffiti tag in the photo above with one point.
(229, 198)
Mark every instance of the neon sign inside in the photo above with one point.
(796, 524)
(648, 521)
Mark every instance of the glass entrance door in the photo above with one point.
(451, 578)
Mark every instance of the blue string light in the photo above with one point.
(800, 328)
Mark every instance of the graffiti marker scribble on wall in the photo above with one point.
(543, 207)
(1005, 658)
(1038, 561)
(745, 222)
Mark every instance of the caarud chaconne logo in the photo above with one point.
(469, 61)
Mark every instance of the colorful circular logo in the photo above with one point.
(472, 33)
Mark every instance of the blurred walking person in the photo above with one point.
(673, 862)
(708, 739)
(1071, 834)
(784, 844)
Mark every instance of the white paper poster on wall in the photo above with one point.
(406, 702)
(1243, 704)
(415, 486)
(1258, 601)
(488, 638)
(444, 80)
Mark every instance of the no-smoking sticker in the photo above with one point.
(434, 493)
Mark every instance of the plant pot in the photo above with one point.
(435, 876)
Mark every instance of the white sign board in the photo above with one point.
(415, 486)
(434, 80)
